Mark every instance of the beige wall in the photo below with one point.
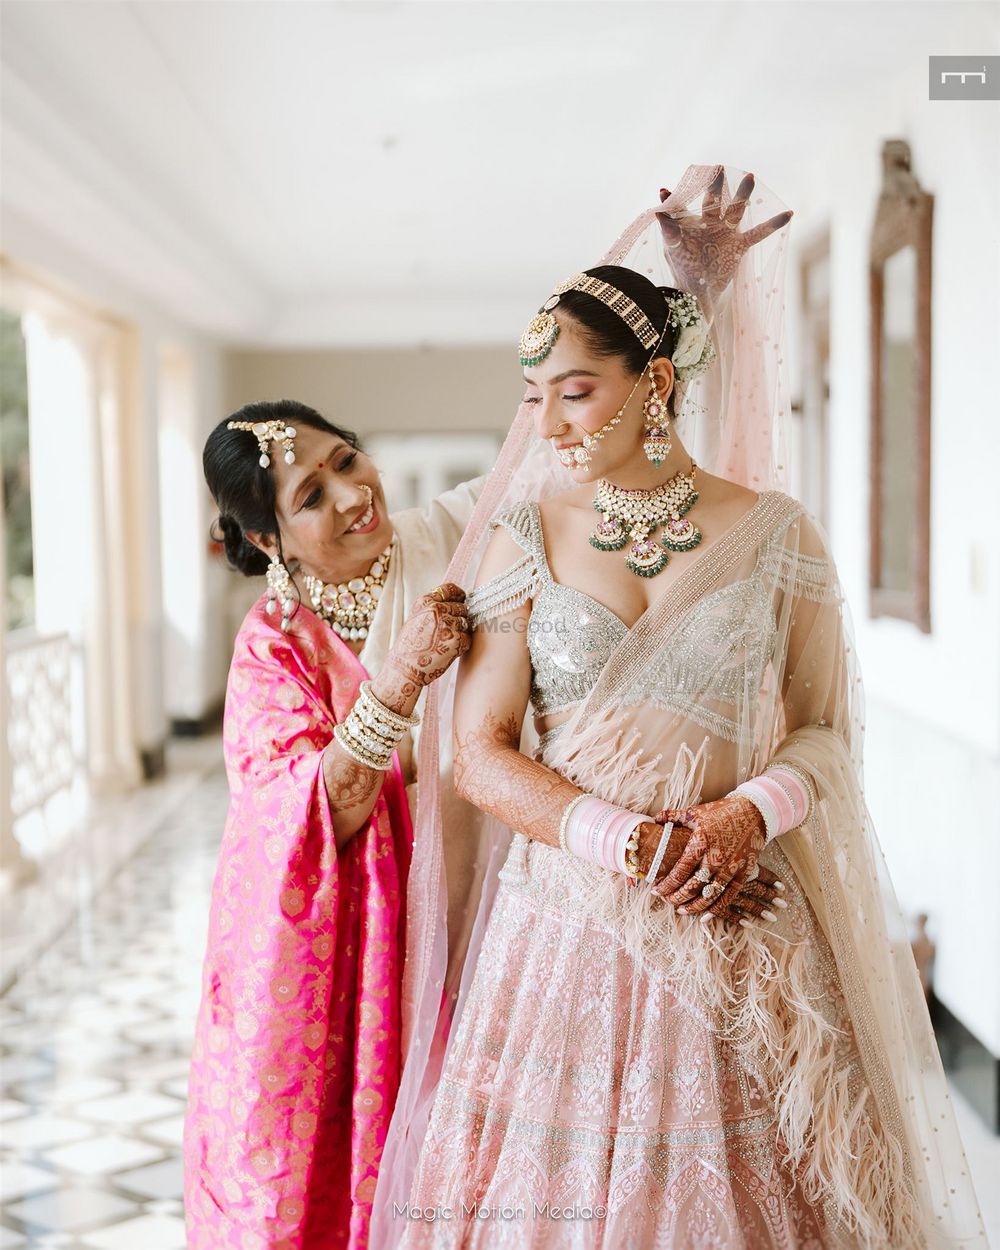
(386, 390)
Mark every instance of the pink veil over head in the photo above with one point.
(732, 419)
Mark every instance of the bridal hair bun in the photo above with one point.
(694, 351)
(241, 554)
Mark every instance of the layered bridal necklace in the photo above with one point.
(350, 606)
(634, 515)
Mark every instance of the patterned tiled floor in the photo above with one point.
(95, 1039)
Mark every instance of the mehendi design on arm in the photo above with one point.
(491, 773)
(349, 784)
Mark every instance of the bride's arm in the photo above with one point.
(491, 698)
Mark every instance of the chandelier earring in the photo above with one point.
(656, 441)
(279, 590)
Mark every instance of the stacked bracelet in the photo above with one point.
(657, 860)
(783, 795)
(370, 731)
(792, 771)
(603, 833)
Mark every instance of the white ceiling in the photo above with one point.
(281, 171)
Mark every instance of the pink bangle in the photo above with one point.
(600, 832)
(780, 796)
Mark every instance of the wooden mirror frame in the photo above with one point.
(903, 219)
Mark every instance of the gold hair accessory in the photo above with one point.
(543, 329)
(269, 432)
(616, 300)
(538, 339)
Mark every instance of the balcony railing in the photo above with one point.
(39, 719)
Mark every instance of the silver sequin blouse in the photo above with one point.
(725, 640)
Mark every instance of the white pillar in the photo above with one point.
(78, 528)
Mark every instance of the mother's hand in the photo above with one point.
(704, 249)
(720, 855)
(432, 637)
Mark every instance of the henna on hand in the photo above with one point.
(752, 901)
(726, 837)
(398, 685)
(433, 636)
(705, 250)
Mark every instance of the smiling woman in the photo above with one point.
(296, 1060)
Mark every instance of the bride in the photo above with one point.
(688, 1016)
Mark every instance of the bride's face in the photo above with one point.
(573, 393)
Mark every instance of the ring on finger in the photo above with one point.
(712, 890)
(704, 875)
(755, 874)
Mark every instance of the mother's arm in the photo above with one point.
(352, 787)
(432, 637)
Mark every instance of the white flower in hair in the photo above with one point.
(693, 350)
(690, 345)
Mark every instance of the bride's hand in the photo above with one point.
(753, 900)
(704, 250)
(719, 857)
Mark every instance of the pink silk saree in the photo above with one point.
(295, 1067)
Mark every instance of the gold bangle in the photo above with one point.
(361, 737)
(359, 753)
(385, 713)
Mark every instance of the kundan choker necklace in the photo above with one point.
(350, 606)
(634, 514)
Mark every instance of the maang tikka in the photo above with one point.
(269, 432)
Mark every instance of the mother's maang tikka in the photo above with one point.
(269, 432)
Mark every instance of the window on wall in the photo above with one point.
(19, 590)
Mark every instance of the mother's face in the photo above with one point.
(330, 506)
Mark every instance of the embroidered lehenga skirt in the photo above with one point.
(587, 1102)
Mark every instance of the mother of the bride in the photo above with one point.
(296, 1058)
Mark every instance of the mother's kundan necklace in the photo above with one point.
(634, 514)
(350, 606)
